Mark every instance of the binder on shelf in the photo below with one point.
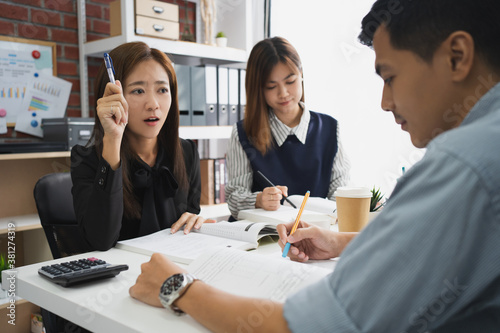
(211, 95)
(204, 96)
(234, 91)
(223, 96)
(242, 95)
(183, 73)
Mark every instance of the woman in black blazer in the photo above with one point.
(136, 176)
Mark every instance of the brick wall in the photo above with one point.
(56, 20)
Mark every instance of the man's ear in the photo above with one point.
(460, 49)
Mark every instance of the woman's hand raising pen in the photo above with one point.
(112, 110)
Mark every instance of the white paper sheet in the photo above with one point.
(254, 275)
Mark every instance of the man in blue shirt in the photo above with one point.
(431, 260)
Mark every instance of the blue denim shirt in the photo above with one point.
(431, 260)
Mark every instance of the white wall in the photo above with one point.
(340, 80)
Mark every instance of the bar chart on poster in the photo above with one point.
(21, 61)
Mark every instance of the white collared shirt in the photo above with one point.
(281, 131)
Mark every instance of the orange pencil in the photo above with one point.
(296, 224)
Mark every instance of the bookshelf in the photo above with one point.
(20, 172)
(235, 20)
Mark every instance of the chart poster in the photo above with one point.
(21, 60)
(46, 96)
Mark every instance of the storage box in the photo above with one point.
(71, 131)
(157, 10)
(152, 18)
(148, 26)
(157, 19)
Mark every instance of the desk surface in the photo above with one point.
(105, 305)
(101, 306)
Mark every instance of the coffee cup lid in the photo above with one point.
(353, 192)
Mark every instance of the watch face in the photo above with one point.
(172, 284)
(173, 288)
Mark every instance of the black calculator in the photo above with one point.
(79, 271)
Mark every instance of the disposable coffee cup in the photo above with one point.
(353, 208)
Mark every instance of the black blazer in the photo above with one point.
(98, 195)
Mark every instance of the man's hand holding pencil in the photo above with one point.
(312, 242)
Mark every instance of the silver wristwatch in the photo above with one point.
(173, 288)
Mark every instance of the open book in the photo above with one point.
(287, 214)
(243, 235)
(264, 276)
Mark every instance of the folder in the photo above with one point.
(234, 91)
(204, 96)
(223, 96)
(243, 94)
(183, 73)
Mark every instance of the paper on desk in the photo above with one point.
(46, 96)
(251, 274)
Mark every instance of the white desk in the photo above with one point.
(101, 306)
(105, 305)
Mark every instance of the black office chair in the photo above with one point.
(54, 203)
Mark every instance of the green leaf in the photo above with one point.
(377, 196)
(2, 262)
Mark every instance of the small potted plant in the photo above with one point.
(221, 39)
(376, 202)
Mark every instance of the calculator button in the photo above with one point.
(61, 268)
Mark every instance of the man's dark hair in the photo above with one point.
(421, 26)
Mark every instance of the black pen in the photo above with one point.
(271, 184)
